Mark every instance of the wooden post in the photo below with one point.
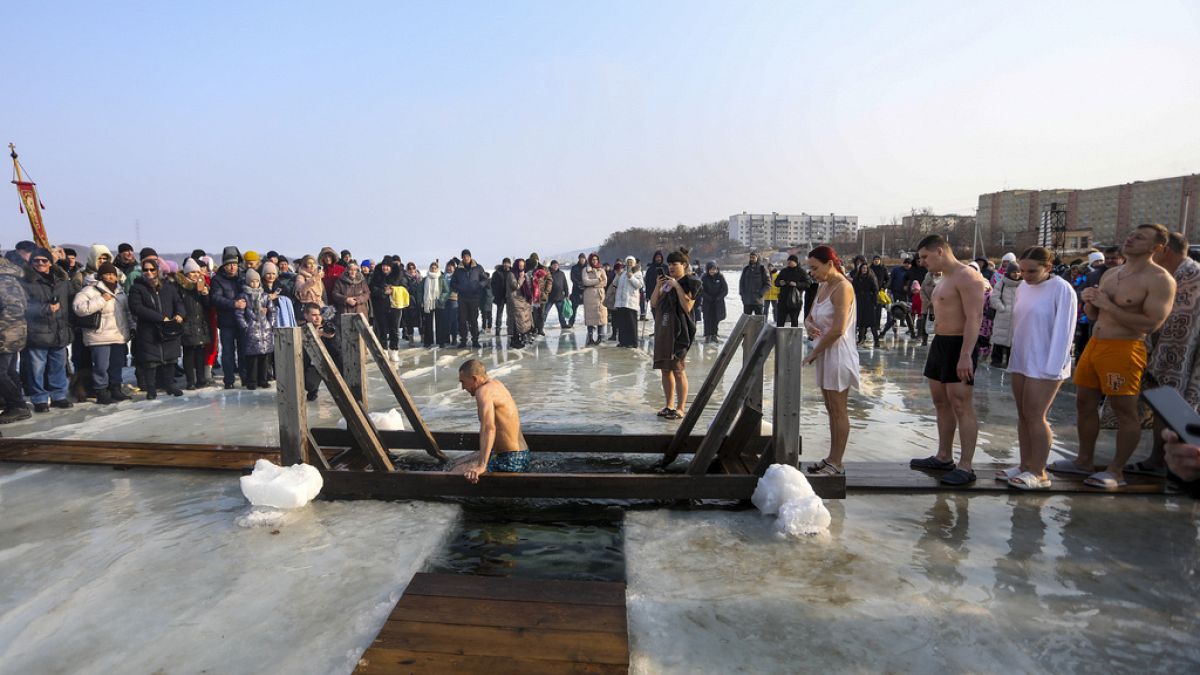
(754, 326)
(737, 396)
(289, 387)
(715, 374)
(354, 357)
(789, 355)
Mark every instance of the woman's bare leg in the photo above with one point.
(839, 424)
(681, 386)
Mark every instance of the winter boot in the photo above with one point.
(116, 394)
(104, 397)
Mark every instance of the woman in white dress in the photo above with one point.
(832, 324)
(1043, 333)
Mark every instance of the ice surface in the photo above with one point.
(281, 487)
(784, 491)
(147, 571)
(392, 420)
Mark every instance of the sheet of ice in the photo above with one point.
(147, 571)
(919, 583)
(281, 487)
(392, 420)
(784, 492)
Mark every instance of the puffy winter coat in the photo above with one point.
(12, 309)
(559, 290)
(114, 326)
(309, 290)
(772, 294)
(866, 298)
(594, 283)
(223, 294)
(47, 330)
(256, 323)
(753, 284)
(713, 289)
(469, 281)
(196, 331)
(149, 306)
(628, 290)
(1004, 295)
(520, 312)
(344, 289)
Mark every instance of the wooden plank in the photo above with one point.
(316, 454)
(898, 477)
(608, 593)
(734, 399)
(74, 452)
(785, 423)
(748, 424)
(407, 405)
(381, 661)
(289, 396)
(427, 484)
(754, 326)
(711, 381)
(357, 421)
(354, 357)
(765, 459)
(510, 613)
(650, 444)
(543, 644)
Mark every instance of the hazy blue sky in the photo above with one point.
(420, 128)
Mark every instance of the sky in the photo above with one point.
(421, 128)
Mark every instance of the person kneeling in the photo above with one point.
(502, 448)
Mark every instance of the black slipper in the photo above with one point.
(673, 415)
(931, 462)
(664, 412)
(959, 477)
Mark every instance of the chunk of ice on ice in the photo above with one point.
(785, 491)
(281, 487)
(392, 420)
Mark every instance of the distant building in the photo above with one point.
(928, 222)
(1078, 219)
(776, 230)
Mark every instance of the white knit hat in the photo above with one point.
(190, 266)
(1009, 257)
(1095, 257)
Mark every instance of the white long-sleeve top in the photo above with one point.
(1043, 329)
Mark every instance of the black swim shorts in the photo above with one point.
(942, 363)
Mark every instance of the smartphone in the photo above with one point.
(1175, 412)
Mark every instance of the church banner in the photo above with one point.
(29, 204)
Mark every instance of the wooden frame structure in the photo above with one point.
(726, 461)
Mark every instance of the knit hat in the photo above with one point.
(124, 247)
(190, 265)
(251, 276)
(70, 251)
(272, 254)
(170, 266)
(794, 258)
(206, 260)
(250, 256)
(1095, 256)
(197, 254)
(1009, 257)
(230, 255)
(107, 268)
(26, 245)
(712, 265)
(630, 258)
(270, 268)
(40, 252)
(147, 253)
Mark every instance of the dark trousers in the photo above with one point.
(752, 309)
(10, 381)
(195, 357)
(231, 353)
(430, 321)
(106, 365)
(577, 305)
(468, 319)
(787, 316)
(562, 322)
(539, 318)
(449, 317)
(625, 323)
(387, 327)
(810, 296)
(157, 376)
(256, 370)
(771, 309)
(485, 316)
(499, 316)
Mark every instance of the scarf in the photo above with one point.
(432, 290)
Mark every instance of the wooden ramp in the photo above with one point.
(898, 477)
(470, 624)
(125, 454)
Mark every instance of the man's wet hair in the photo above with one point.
(1112, 250)
(1177, 243)
(1161, 234)
(473, 367)
(933, 242)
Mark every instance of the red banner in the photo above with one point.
(29, 202)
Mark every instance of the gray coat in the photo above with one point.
(12, 309)
(1003, 296)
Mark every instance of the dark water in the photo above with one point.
(573, 542)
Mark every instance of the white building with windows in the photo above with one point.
(777, 230)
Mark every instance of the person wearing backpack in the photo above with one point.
(791, 281)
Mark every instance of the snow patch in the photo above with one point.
(784, 492)
(392, 420)
(281, 487)
(262, 517)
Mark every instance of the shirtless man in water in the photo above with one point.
(950, 366)
(502, 448)
(1130, 302)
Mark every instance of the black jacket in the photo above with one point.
(499, 285)
(792, 297)
(685, 322)
(46, 329)
(577, 283)
(559, 290)
(468, 281)
(195, 323)
(655, 269)
(881, 274)
(754, 283)
(713, 289)
(150, 306)
(223, 292)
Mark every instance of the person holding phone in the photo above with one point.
(673, 299)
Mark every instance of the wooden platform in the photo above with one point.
(470, 624)
(125, 454)
(898, 477)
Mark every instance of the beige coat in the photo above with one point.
(309, 289)
(594, 281)
(114, 316)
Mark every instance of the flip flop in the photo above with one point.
(664, 412)
(1103, 480)
(1028, 481)
(1008, 474)
(959, 477)
(1145, 469)
(1068, 467)
(931, 462)
(825, 468)
(673, 414)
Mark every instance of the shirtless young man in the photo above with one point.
(499, 426)
(1131, 302)
(950, 366)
